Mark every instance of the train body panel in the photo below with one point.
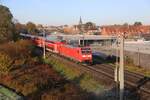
(70, 52)
(76, 53)
(53, 46)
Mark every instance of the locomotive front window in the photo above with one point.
(86, 52)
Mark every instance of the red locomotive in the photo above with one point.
(80, 54)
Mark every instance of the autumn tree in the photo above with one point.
(15, 53)
(6, 24)
(137, 23)
(90, 26)
(31, 28)
(126, 24)
(19, 28)
(40, 26)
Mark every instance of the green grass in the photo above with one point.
(128, 66)
(84, 80)
(10, 94)
(135, 69)
(141, 70)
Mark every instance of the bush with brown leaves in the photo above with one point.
(15, 53)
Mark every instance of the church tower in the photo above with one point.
(80, 22)
(81, 26)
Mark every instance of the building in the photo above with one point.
(88, 28)
(131, 30)
(85, 39)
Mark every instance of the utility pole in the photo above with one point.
(79, 42)
(117, 62)
(83, 40)
(116, 73)
(44, 44)
(138, 52)
(121, 68)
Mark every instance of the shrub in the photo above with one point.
(128, 61)
(89, 84)
(18, 50)
(5, 63)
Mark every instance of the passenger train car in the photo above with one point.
(79, 54)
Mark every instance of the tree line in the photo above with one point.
(10, 29)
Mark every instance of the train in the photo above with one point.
(81, 54)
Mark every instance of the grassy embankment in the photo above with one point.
(84, 80)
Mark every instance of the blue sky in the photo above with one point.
(59, 12)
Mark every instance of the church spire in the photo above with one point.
(80, 22)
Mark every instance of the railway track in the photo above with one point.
(138, 82)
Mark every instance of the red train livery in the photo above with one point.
(80, 54)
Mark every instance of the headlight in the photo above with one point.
(83, 56)
(89, 56)
(86, 56)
